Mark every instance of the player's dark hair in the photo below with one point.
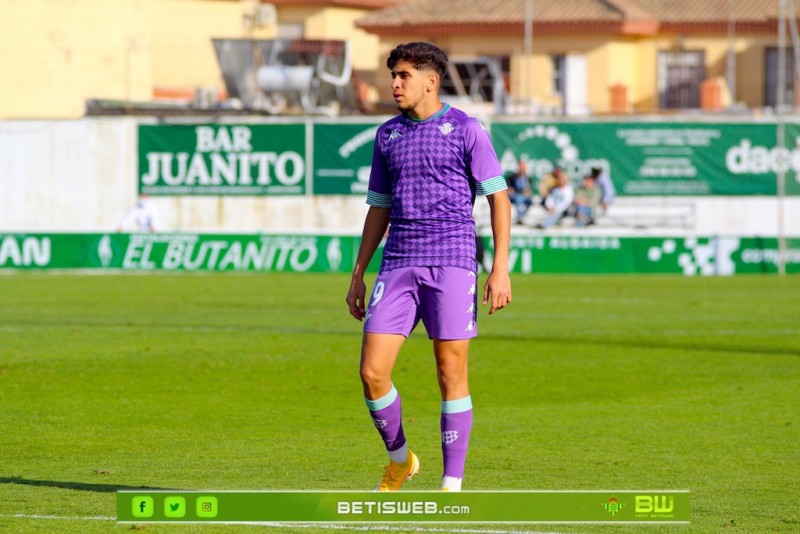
(421, 56)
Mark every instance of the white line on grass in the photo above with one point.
(404, 528)
(65, 517)
(320, 526)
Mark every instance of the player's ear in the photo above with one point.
(433, 82)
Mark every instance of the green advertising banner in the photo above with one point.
(179, 252)
(342, 158)
(661, 506)
(691, 256)
(658, 158)
(222, 159)
(706, 256)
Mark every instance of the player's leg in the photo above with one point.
(378, 354)
(448, 306)
(391, 316)
(456, 418)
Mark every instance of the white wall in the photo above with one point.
(80, 175)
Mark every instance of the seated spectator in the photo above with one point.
(519, 185)
(547, 183)
(587, 201)
(606, 187)
(559, 200)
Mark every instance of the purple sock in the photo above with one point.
(456, 424)
(387, 415)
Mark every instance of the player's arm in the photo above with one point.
(497, 289)
(375, 226)
(483, 163)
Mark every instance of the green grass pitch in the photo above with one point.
(250, 382)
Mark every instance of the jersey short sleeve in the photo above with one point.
(483, 163)
(379, 192)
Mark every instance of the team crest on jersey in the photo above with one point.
(394, 134)
(446, 128)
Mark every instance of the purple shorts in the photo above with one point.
(445, 298)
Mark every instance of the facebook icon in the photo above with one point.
(142, 506)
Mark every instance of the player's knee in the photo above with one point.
(374, 378)
(452, 374)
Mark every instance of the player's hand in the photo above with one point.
(356, 298)
(497, 291)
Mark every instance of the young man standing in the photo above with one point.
(428, 164)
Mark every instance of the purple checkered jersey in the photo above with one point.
(428, 173)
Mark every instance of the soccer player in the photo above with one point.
(428, 164)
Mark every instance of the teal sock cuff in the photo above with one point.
(383, 402)
(457, 405)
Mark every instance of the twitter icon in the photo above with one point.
(174, 507)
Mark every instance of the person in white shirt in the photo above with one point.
(142, 217)
(558, 200)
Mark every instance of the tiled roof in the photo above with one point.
(491, 11)
(693, 11)
(627, 16)
(362, 4)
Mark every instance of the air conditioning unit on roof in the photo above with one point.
(266, 15)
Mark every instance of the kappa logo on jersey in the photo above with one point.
(446, 128)
(394, 134)
(449, 436)
(380, 424)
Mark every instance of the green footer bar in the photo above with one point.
(624, 506)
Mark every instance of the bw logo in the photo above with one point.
(659, 504)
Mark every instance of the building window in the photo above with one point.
(680, 74)
(291, 30)
(480, 78)
(771, 81)
(559, 73)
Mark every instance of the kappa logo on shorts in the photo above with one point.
(471, 308)
(470, 327)
(449, 436)
(471, 274)
(471, 290)
(380, 424)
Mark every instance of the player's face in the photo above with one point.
(410, 86)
